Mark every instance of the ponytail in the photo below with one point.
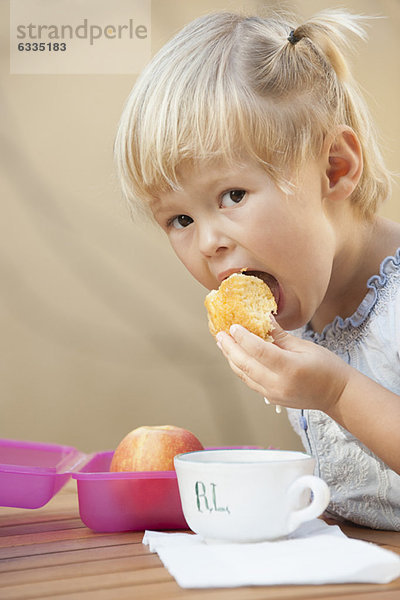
(329, 34)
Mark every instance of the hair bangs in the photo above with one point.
(229, 88)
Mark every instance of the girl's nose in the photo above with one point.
(212, 239)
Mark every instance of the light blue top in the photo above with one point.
(363, 489)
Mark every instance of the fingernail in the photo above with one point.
(219, 345)
(234, 329)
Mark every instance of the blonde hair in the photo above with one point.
(228, 85)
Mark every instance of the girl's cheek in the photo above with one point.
(177, 244)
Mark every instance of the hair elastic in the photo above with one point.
(292, 38)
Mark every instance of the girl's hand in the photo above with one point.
(290, 372)
(299, 374)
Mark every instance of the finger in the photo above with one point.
(262, 351)
(245, 365)
(256, 387)
(282, 338)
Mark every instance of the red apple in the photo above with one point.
(152, 448)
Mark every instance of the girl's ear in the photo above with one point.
(343, 164)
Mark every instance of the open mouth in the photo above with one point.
(270, 280)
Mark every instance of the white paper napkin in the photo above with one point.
(316, 553)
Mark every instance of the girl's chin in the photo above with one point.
(290, 322)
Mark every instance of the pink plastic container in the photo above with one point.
(31, 473)
(127, 501)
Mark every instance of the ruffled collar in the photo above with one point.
(375, 285)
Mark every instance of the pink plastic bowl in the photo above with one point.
(127, 501)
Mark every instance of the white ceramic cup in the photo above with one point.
(248, 495)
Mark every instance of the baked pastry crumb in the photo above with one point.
(242, 299)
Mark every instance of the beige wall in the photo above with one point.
(101, 328)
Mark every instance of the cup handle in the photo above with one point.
(318, 504)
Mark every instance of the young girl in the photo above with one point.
(248, 142)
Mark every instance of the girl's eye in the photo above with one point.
(232, 197)
(181, 221)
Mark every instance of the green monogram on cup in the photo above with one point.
(208, 500)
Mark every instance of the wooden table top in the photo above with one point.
(50, 553)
